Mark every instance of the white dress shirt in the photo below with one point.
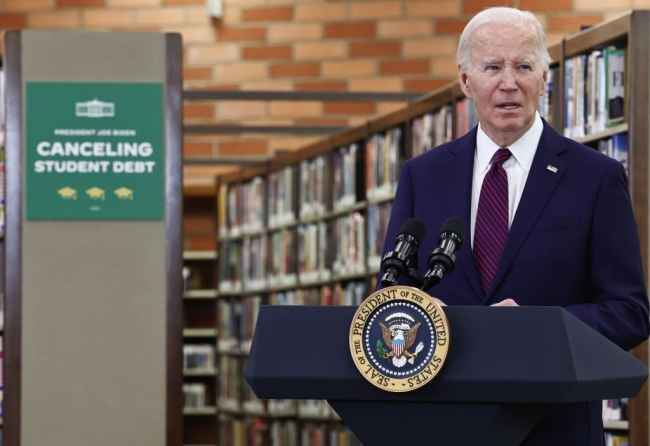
(517, 167)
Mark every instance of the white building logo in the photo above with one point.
(95, 109)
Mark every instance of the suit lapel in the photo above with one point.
(539, 187)
(458, 174)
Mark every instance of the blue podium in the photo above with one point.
(505, 367)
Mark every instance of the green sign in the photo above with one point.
(94, 151)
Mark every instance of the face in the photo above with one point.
(505, 80)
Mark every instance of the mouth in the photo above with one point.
(508, 106)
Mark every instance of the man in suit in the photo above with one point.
(549, 220)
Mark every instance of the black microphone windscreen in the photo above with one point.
(454, 224)
(414, 228)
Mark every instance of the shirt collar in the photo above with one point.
(523, 150)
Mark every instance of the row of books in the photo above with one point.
(254, 261)
(350, 253)
(198, 357)
(431, 129)
(239, 399)
(345, 162)
(313, 196)
(614, 439)
(384, 156)
(595, 91)
(240, 207)
(616, 147)
(281, 267)
(231, 381)
(615, 409)
(251, 404)
(194, 395)
(466, 116)
(242, 432)
(303, 256)
(320, 434)
(258, 262)
(238, 432)
(302, 409)
(281, 201)
(312, 252)
(237, 319)
(352, 293)
(230, 266)
(545, 105)
(378, 216)
(2, 159)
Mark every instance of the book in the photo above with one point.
(620, 149)
(615, 85)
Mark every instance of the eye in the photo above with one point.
(491, 68)
(525, 67)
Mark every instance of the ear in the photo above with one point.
(463, 78)
(545, 77)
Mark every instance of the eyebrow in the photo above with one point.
(525, 61)
(491, 61)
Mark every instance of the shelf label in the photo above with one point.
(94, 151)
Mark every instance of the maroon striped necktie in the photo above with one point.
(491, 229)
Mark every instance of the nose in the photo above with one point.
(508, 79)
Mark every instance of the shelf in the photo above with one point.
(314, 283)
(200, 255)
(315, 417)
(616, 425)
(361, 205)
(347, 277)
(255, 413)
(282, 414)
(200, 294)
(200, 332)
(233, 293)
(208, 410)
(314, 218)
(232, 352)
(607, 133)
(229, 406)
(385, 198)
(200, 372)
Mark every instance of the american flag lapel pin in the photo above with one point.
(552, 168)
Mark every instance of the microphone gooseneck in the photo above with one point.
(442, 260)
(395, 263)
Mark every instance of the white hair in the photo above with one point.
(501, 15)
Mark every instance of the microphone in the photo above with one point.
(442, 259)
(395, 263)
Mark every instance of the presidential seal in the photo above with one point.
(399, 338)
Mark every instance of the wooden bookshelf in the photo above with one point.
(630, 31)
(199, 255)
(200, 259)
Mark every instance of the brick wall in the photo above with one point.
(287, 45)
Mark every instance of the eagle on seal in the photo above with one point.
(399, 339)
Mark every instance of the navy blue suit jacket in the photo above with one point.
(573, 243)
